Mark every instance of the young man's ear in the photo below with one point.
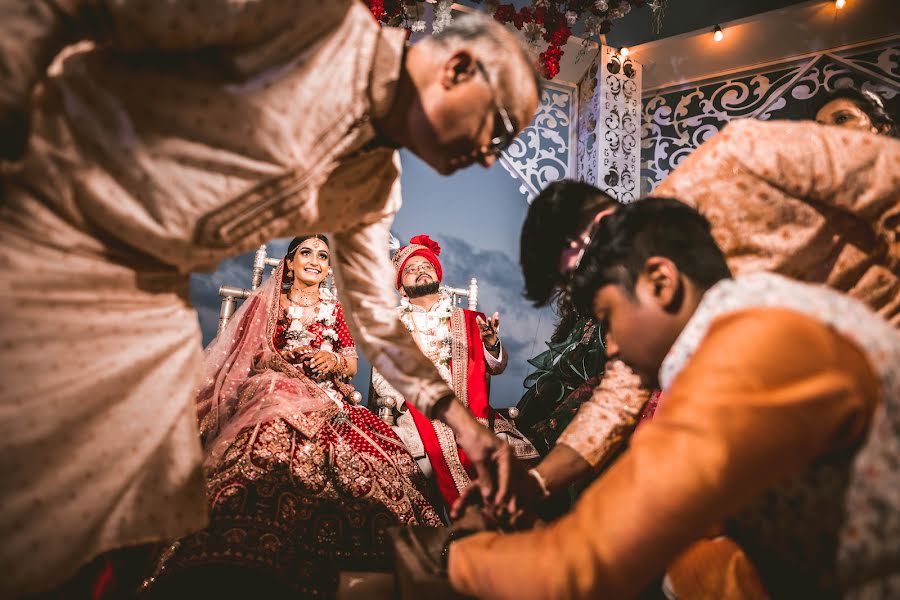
(459, 68)
(665, 281)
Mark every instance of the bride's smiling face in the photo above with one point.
(310, 262)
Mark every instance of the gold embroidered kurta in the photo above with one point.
(191, 132)
(606, 419)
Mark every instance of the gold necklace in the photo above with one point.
(305, 299)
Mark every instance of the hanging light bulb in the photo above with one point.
(624, 51)
(839, 4)
(717, 34)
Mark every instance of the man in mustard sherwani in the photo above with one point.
(780, 419)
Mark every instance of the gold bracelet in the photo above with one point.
(342, 365)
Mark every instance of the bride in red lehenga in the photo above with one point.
(301, 482)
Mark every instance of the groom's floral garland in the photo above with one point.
(437, 325)
(297, 333)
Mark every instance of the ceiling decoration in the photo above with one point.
(546, 24)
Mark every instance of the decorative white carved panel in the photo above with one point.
(588, 115)
(676, 120)
(543, 151)
(609, 125)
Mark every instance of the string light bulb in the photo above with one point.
(718, 35)
(839, 4)
(624, 51)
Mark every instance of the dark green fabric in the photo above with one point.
(550, 403)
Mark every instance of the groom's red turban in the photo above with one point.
(420, 245)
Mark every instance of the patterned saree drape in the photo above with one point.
(301, 484)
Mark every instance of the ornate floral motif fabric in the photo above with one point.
(608, 417)
(814, 203)
(301, 483)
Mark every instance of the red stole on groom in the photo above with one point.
(452, 468)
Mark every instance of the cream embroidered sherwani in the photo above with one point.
(430, 328)
(815, 203)
(193, 132)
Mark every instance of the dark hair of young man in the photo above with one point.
(558, 214)
(651, 227)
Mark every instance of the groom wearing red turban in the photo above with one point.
(419, 245)
(465, 347)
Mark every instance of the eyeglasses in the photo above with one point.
(425, 266)
(571, 256)
(502, 137)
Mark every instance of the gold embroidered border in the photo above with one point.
(501, 425)
(447, 441)
(274, 306)
(521, 446)
(459, 355)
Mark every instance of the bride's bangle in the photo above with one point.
(339, 365)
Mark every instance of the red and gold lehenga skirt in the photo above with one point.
(289, 511)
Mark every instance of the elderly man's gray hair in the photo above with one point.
(480, 29)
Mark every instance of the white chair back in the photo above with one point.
(231, 294)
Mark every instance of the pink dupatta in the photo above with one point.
(246, 381)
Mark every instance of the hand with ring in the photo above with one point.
(323, 363)
(489, 329)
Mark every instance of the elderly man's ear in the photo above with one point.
(459, 68)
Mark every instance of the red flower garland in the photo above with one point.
(377, 8)
(553, 17)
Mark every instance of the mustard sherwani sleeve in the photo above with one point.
(780, 380)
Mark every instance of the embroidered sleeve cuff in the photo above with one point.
(605, 420)
(429, 395)
(492, 362)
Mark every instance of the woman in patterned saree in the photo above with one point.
(301, 482)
